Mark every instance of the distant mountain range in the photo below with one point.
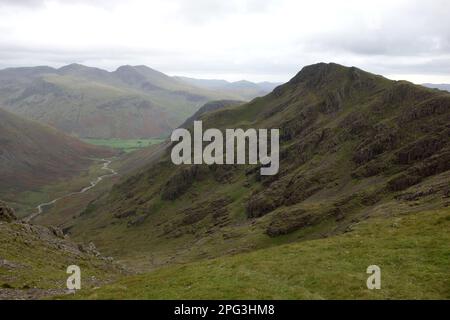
(441, 86)
(131, 102)
(246, 89)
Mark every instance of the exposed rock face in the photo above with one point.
(57, 232)
(289, 222)
(435, 164)
(215, 211)
(125, 214)
(181, 181)
(90, 249)
(7, 214)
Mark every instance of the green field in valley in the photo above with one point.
(126, 145)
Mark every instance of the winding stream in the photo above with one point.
(40, 207)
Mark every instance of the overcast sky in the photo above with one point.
(231, 39)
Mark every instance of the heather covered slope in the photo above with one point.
(354, 146)
(33, 155)
(131, 102)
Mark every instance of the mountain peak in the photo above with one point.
(76, 67)
(125, 67)
(73, 66)
(324, 74)
(321, 69)
(79, 69)
(138, 68)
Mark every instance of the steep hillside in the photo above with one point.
(33, 155)
(131, 102)
(354, 146)
(34, 260)
(244, 89)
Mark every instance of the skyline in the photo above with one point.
(218, 77)
(253, 40)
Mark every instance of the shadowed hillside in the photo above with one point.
(32, 155)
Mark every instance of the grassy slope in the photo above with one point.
(320, 191)
(412, 251)
(38, 259)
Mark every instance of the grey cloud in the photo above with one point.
(21, 3)
(434, 66)
(415, 28)
(40, 3)
(412, 39)
(201, 11)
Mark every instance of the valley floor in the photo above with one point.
(25, 203)
(412, 251)
(125, 145)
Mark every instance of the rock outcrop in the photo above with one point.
(7, 214)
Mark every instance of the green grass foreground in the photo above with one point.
(126, 145)
(412, 251)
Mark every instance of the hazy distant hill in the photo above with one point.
(441, 86)
(32, 155)
(131, 102)
(245, 89)
(210, 107)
